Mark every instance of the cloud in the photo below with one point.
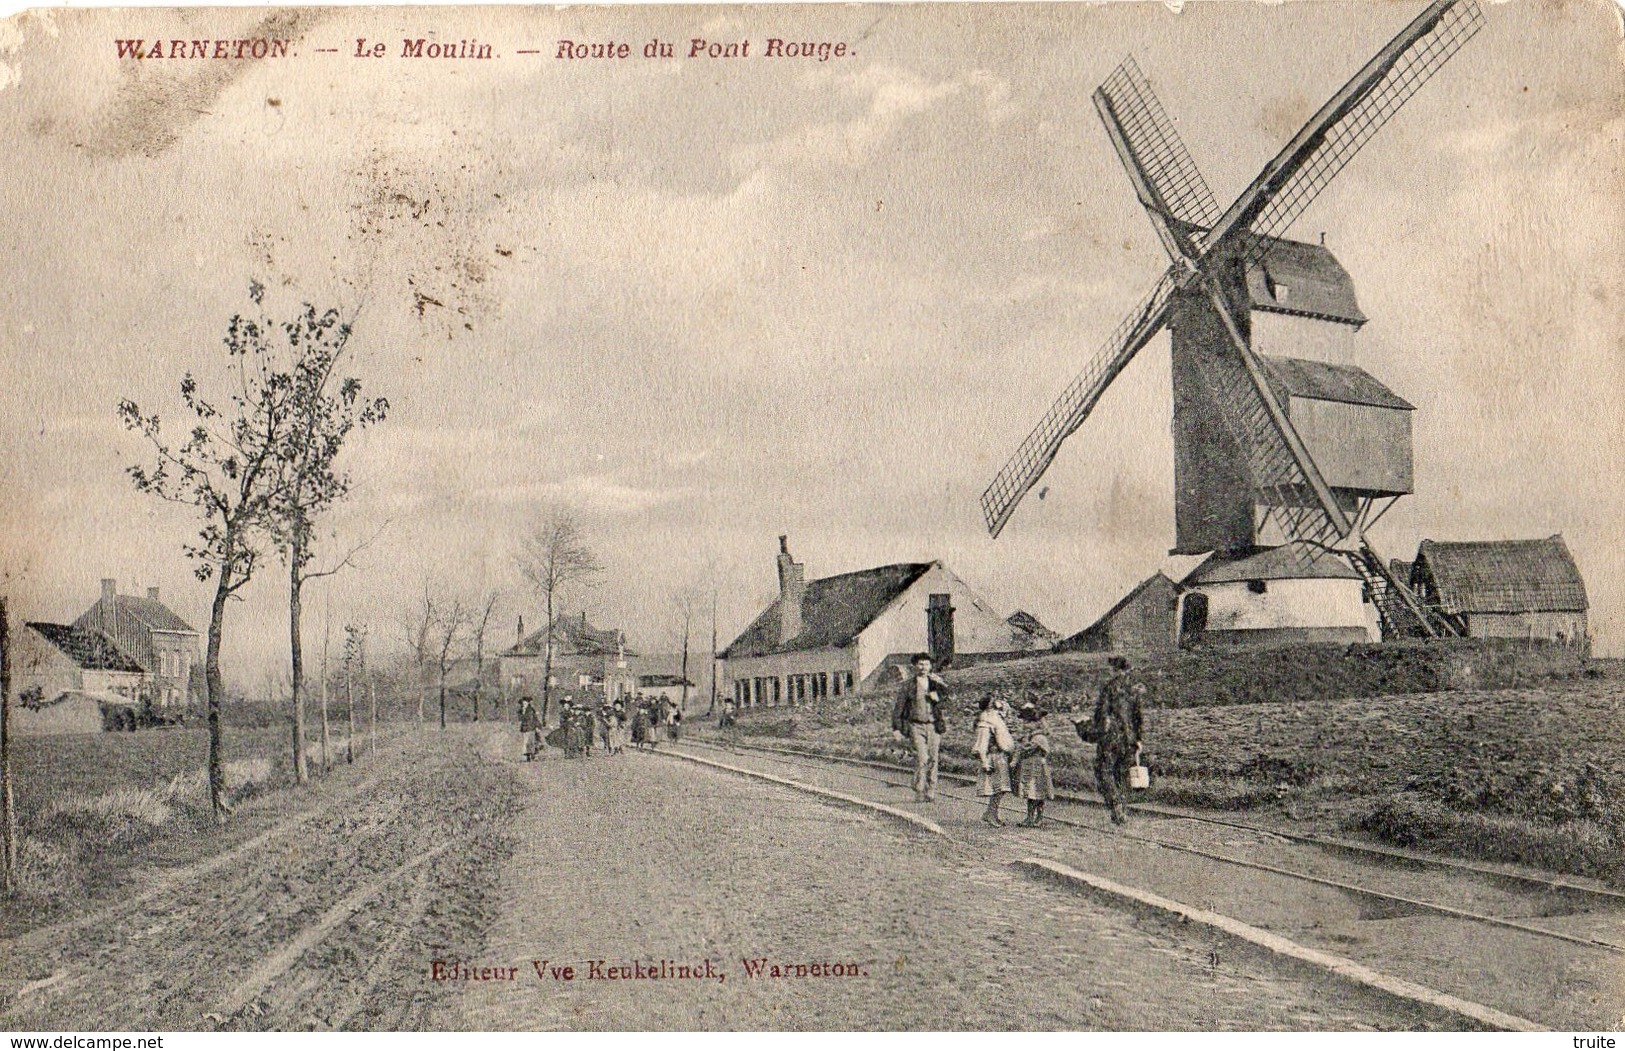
(593, 494)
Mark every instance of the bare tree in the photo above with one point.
(418, 625)
(554, 558)
(229, 470)
(354, 645)
(452, 621)
(685, 604)
(480, 625)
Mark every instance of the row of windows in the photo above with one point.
(770, 691)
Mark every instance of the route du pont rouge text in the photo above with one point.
(697, 47)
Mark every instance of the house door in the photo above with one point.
(939, 630)
(1192, 618)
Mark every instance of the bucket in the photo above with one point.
(1139, 777)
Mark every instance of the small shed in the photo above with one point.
(1517, 589)
(1146, 619)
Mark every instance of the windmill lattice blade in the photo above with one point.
(1157, 147)
(1358, 119)
(1034, 455)
(1286, 483)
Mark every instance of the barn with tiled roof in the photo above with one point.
(1522, 589)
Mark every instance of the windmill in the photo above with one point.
(1263, 460)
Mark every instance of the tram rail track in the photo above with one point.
(1602, 895)
(1599, 896)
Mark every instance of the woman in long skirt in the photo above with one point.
(1034, 779)
(993, 747)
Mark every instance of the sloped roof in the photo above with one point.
(88, 649)
(1021, 620)
(153, 613)
(1135, 592)
(1270, 563)
(575, 636)
(834, 610)
(1294, 277)
(1505, 576)
(1301, 378)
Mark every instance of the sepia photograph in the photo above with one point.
(1033, 517)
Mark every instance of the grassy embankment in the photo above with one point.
(90, 806)
(1529, 773)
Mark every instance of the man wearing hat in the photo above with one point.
(1114, 729)
(919, 716)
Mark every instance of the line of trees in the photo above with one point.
(260, 471)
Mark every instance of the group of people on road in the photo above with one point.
(595, 722)
(1018, 761)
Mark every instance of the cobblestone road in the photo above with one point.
(645, 858)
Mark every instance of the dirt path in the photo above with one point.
(321, 921)
(630, 861)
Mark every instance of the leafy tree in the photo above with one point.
(553, 558)
(326, 408)
(229, 470)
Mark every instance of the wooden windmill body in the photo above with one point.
(1285, 450)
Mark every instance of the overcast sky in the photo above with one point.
(707, 302)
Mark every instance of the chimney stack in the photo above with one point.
(152, 593)
(792, 588)
(519, 632)
(109, 589)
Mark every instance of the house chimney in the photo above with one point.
(109, 589)
(152, 593)
(792, 587)
(519, 632)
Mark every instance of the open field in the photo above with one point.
(1530, 774)
(93, 809)
(50, 768)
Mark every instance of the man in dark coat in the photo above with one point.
(919, 716)
(530, 726)
(1115, 729)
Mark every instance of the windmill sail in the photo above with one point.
(1034, 455)
(1346, 123)
(1166, 179)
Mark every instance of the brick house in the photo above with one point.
(583, 656)
(166, 647)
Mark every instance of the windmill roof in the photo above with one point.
(1270, 563)
(87, 648)
(1293, 277)
(834, 611)
(1323, 381)
(1505, 576)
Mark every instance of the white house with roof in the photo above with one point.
(832, 636)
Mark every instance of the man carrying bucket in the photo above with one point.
(1115, 730)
